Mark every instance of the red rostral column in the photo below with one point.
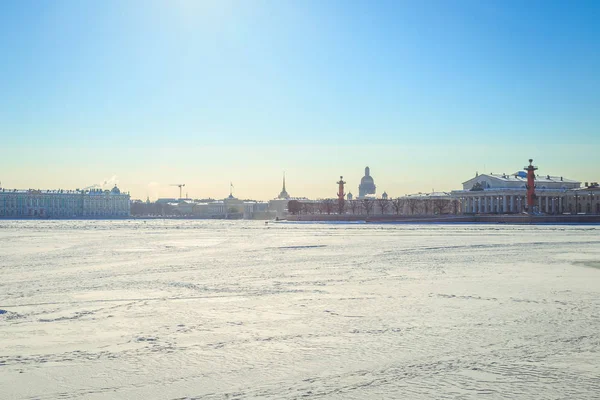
(341, 195)
(530, 185)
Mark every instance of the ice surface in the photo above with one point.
(216, 310)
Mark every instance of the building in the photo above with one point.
(60, 203)
(432, 203)
(167, 200)
(507, 194)
(367, 185)
(585, 200)
(230, 208)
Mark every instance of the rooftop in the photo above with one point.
(429, 195)
(64, 191)
(521, 176)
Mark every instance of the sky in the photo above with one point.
(148, 93)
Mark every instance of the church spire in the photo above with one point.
(283, 182)
(284, 194)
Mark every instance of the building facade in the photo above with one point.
(507, 194)
(585, 200)
(64, 203)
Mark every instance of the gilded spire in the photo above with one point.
(284, 194)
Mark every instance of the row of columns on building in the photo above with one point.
(510, 204)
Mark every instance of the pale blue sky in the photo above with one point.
(207, 92)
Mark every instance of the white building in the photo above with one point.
(229, 207)
(64, 203)
(507, 193)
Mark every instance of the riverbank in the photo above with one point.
(423, 219)
(449, 219)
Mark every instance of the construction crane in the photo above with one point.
(180, 185)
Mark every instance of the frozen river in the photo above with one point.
(240, 310)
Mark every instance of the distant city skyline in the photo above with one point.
(206, 93)
(308, 182)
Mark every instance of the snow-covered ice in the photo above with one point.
(240, 309)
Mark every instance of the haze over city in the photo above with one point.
(153, 93)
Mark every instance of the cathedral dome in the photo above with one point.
(367, 184)
(367, 179)
(115, 190)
